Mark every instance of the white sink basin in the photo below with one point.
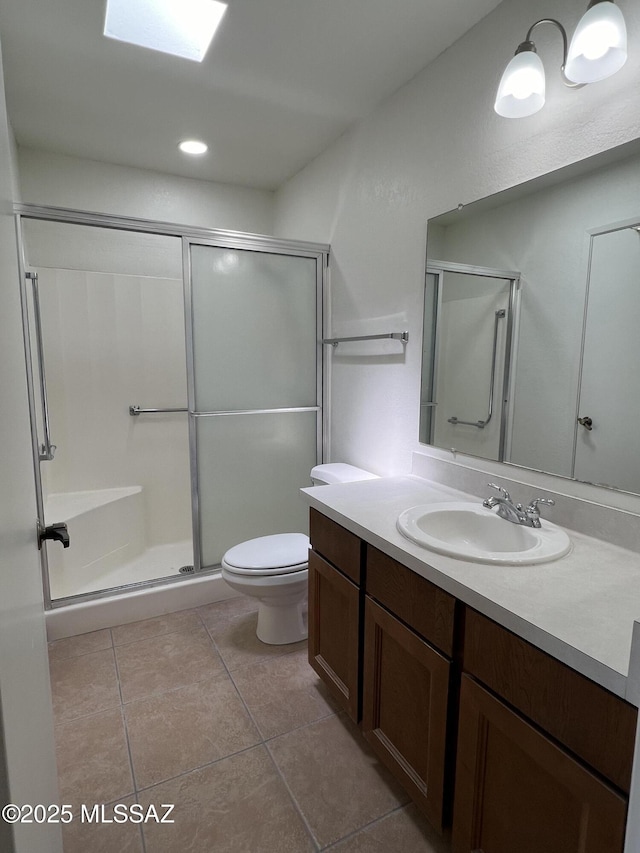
(469, 531)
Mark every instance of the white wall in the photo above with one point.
(27, 760)
(61, 181)
(435, 143)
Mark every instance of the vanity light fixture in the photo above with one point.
(193, 146)
(598, 49)
(182, 28)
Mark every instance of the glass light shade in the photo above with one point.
(180, 27)
(522, 88)
(599, 46)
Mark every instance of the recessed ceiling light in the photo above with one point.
(193, 146)
(180, 27)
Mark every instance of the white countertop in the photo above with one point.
(580, 608)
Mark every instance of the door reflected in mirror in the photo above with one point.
(561, 256)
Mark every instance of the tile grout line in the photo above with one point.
(52, 643)
(184, 773)
(264, 743)
(294, 801)
(183, 630)
(126, 736)
(365, 828)
(124, 725)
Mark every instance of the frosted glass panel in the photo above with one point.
(254, 329)
(251, 469)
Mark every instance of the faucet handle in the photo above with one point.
(533, 506)
(505, 494)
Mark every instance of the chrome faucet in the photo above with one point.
(515, 513)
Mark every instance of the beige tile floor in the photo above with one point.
(193, 710)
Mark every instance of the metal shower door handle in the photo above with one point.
(58, 532)
(46, 450)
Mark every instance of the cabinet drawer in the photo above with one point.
(593, 723)
(517, 790)
(423, 606)
(336, 544)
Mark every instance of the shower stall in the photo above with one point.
(175, 382)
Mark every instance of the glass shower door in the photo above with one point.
(471, 350)
(255, 392)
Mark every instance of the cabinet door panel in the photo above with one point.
(516, 790)
(334, 631)
(404, 714)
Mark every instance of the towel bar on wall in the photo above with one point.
(396, 336)
(136, 410)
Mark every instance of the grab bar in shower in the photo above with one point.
(500, 315)
(396, 336)
(134, 411)
(47, 450)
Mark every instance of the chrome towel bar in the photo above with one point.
(396, 336)
(136, 410)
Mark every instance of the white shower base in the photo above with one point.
(107, 543)
(107, 550)
(153, 563)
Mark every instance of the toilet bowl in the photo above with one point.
(274, 569)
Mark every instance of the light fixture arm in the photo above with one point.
(527, 44)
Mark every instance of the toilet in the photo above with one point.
(274, 568)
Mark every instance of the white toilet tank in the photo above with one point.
(339, 472)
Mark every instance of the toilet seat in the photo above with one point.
(279, 554)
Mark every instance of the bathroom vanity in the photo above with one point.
(498, 716)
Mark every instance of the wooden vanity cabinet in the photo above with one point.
(406, 679)
(335, 619)
(385, 656)
(517, 790)
(543, 753)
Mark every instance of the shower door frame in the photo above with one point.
(438, 269)
(263, 245)
(189, 235)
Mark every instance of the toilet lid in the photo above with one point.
(283, 552)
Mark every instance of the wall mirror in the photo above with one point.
(531, 350)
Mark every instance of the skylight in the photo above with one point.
(180, 27)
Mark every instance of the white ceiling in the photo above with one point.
(281, 81)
